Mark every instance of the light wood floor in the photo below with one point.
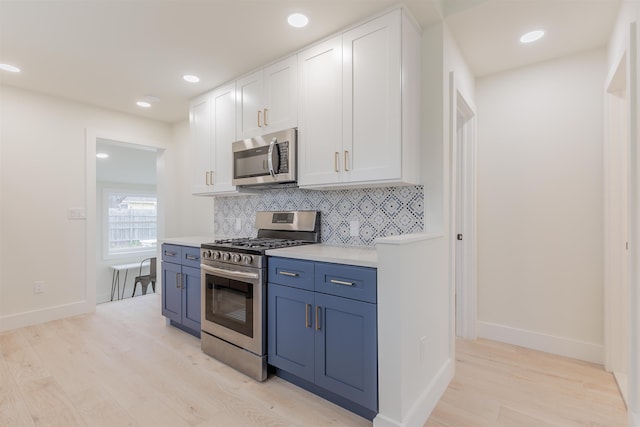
(122, 366)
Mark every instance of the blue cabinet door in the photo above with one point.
(171, 292)
(291, 320)
(346, 349)
(191, 298)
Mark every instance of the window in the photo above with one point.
(130, 220)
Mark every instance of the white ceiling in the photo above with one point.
(112, 53)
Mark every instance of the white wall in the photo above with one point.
(540, 206)
(42, 174)
(622, 40)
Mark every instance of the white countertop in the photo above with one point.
(194, 241)
(363, 256)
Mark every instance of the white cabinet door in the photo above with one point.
(249, 105)
(372, 136)
(201, 144)
(320, 113)
(280, 110)
(224, 134)
(267, 100)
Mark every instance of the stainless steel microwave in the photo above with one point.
(265, 160)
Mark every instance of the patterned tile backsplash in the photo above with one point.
(380, 212)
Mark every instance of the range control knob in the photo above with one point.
(247, 259)
(225, 256)
(204, 254)
(215, 255)
(237, 257)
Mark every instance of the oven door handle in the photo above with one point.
(228, 273)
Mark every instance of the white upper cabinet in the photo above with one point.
(224, 134)
(267, 99)
(378, 90)
(212, 120)
(202, 153)
(320, 112)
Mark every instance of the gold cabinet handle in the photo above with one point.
(346, 161)
(210, 177)
(318, 327)
(286, 273)
(336, 161)
(206, 178)
(264, 115)
(341, 282)
(307, 310)
(259, 112)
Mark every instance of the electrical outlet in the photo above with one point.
(238, 225)
(354, 228)
(38, 287)
(76, 213)
(423, 348)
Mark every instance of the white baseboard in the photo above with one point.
(20, 320)
(425, 404)
(537, 341)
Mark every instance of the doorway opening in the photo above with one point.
(131, 182)
(126, 217)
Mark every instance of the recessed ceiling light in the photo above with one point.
(298, 20)
(532, 36)
(143, 104)
(102, 155)
(191, 78)
(9, 67)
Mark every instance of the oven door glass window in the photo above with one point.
(230, 304)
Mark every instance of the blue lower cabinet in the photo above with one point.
(326, 343)
(290, 338)
(181, 287)
(346, 346)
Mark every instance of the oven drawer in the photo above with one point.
(291, 272)
(191, 256)
(359, 283)
(172, 253)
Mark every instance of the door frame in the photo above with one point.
(616, 206)
(91, 141)
(462, 220)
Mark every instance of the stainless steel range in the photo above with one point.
(234, 287)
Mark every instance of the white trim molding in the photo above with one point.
(28, 318)
(562, 346)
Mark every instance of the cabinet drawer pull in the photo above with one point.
(341, 282)
(346, 161)
(336, 162)
(210, 177)
(178, 281)
(318, 327)
(259, 112)
(307, 315)
(206, 178)
(286, 273)
(192, 257)
(167, 253)
(264, 116)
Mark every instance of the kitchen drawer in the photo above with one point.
(172, 253)
(347, 281)
(190, 256)
(291, 272)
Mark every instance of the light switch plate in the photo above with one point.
(76, 213)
